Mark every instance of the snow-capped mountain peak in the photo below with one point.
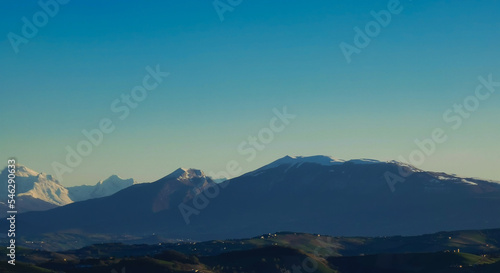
(38, 185)
(294, 160)
(23, 171)
(116, 180)
(316, 159)
(406, 165)
(185, 173)
(106, 187)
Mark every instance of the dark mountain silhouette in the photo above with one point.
(302, 194)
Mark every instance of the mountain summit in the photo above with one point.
(109, 186)
(184, 173)
(36, 185)
(296, 161)
(35, 191)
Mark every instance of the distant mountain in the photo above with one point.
(302, 194)
(36, 185)
(39, 191)
(35, 191)
(103, 188)
(139, 209)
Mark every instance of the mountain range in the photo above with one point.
(316, 194)
(103, 188)
(39, 191)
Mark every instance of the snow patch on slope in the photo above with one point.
(297, 161)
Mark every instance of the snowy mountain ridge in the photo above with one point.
(103, 188)
(45, 191)
(36, 185)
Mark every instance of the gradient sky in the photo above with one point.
(227, 76)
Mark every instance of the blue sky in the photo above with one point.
(226, 77)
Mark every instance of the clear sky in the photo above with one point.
(226, 77)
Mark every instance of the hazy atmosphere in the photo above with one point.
(239, 136)
(230, 69)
